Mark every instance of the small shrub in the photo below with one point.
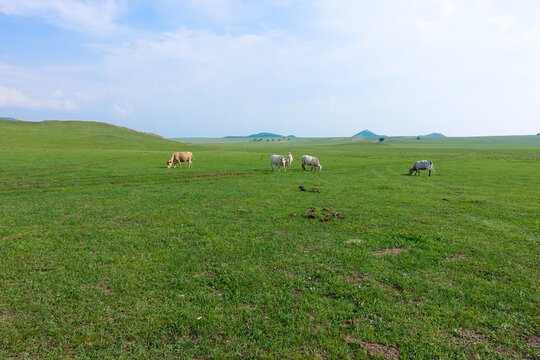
(381, 139)
(418, 138)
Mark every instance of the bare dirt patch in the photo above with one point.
(374, 349)
(323, 214)
(303, 248)
(6, 316)
(469, 337)
(105, 287)
(357, 278)
(387, 251)
(221, 175)
(534, 342)
(313, 189)
(354, 241)
(458, 257)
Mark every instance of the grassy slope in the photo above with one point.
(106, 253)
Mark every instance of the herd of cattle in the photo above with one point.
(284, 161)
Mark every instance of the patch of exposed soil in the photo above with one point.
(374, 349)
(458, 257)
(387, 251)
(303, 248)
(534, 342)
(221, 175)
(7, 316)
(357, 278)
(104, 286)
(313, 189)
(354, 241)
(469, 337)
(324, 214)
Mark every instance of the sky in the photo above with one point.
(212, 68)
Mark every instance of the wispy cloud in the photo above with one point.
(13, 98)
(95, 17)
(123, 111)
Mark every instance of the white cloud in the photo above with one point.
(95, 17)
(123, 111)
(13, 98)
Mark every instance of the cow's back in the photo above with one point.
(183, 155)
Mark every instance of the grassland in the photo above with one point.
(106, 253)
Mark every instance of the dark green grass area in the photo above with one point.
(106, 253)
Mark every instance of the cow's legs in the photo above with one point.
(429, 172)
(303, 166)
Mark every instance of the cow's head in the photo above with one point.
(319, 167)
(169, 163)
(411, 171)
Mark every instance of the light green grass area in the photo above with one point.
(106, 253)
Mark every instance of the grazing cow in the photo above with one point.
(288, 159)
(179, 158)
(311, 161)
(422, 165)
(278, 160)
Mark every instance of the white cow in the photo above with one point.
(311, 161)
(288, 159)
(278, 160)
(422, 165)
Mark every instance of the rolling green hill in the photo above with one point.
(75, 134)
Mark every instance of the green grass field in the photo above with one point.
(106, 253)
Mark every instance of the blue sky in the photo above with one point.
(309, 68)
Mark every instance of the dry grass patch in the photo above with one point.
(458, 257)
(387, 251)
(357, 278)
(534, 342)
(354, 241)
(375, 350)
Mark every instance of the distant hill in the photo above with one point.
(435, 135)
(366, 133)
(261, 134)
